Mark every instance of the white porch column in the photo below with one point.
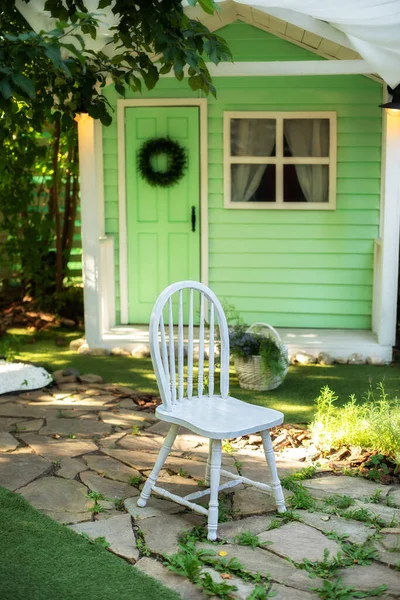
(390, 230)
(92, 218)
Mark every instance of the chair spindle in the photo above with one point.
(211, 360)
(200, 383)
(172, 354)
(180, 347)
(190, 348)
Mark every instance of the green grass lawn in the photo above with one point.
(42, 560)
(295, 397)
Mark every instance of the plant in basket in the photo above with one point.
(261, 360)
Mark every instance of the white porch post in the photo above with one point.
(92, 218)
(390, 230)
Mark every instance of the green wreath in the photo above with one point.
(176, 156)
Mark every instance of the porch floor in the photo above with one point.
(337, 342)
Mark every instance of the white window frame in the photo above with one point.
(279, 160)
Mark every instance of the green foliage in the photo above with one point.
(8, 349)
(283, 518)
(301, 497)
(374, 424)
(57, 71)
(333, 590)
(358, 555)
(136, 480)
(247, 538)
(322, 568)
(245, 344)
(221, 590)
(99, 541)
(364, 516)
(261, 593)
(338, 501)
(96, 508)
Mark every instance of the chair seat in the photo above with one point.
(218, 418)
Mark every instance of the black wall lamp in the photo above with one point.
(393, 107)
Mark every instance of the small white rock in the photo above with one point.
(305, 359)
(377, 361)
(84, 348)
(324, 358)
(76, 344)
(356, 359)
(120, 352)
(341, 360)
(141, 351)
(99, 352)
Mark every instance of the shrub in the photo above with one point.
(373, 424)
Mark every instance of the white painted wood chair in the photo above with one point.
(216, 417)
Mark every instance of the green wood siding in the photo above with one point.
(290, 268)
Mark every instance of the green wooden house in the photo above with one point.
(289, 205)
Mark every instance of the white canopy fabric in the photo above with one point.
(370, 27)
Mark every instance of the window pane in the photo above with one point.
(306, 137)
(253, 137)
(305, 183)
(253, 183)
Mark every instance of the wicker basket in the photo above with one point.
(250, 371)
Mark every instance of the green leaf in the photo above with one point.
(104, 3)
(5, 89)
(53, 53)
(24, 84)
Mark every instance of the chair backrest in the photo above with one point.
(168, 355)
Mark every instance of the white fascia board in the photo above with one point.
(325, 30)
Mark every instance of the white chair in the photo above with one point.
(216, 417)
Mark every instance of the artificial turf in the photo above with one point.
(295, 397)
(42, 560)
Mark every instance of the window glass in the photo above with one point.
(253, 183)
(305, 183)
(306, 137)
(253, 137)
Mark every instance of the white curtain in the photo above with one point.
(250, 137)
(310, 137)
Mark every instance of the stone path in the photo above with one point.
(80, 451)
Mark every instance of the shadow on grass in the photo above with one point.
(295, 397)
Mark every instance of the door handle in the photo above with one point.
(193, 218)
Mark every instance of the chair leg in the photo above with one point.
(162, 457)
(215, 471)
(276, 484)
(207, 475)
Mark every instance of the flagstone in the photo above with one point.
(8, 423)
(54, 449)
(110, 441)
(355, 487)
(178, 584)
(7, 442)
(79, 427)
(20, 467)
(390, 515)
(136, 459)
(395, 495)
(79, 401)
(109, 488)
(258, 560)
(161, 534)
(283, 592)
(182, 486)
(70, 467)
(57, 494)
(367, 578)
(298, 541)
(111, 468)
(154, 508)
(357, 532)
(251, 501)
(35, 411)
(32, 425)
(117, 530)
(7, 398)
(37, 396)
(68, 518)
(126, 418)
(141, 442)
(231, 529)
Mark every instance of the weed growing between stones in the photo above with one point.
(135, 481)
(99, 541)
(333, 590)
(247, 538)
(338, 501)
(97, 497)
(283, 518)
(141, 545)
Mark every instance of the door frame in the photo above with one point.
(122, 105)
